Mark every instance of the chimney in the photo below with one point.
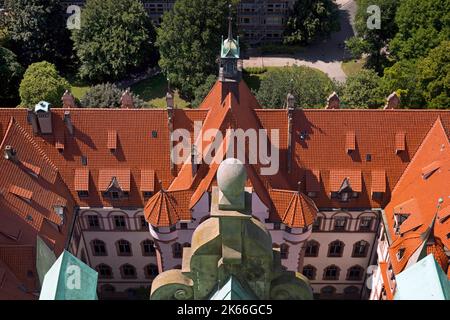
(333, 101)
(126, 102)
(68, 100)
(32, 119)
(290, 103)
(68, 122)
(44, 116)
(10, 154)
(392, 102)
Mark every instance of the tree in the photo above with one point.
(189, 42)
(422, 26)
(202, 91)
(37, 30)
(372, 40)
(116, 38)
(107, 95)
(10, 75)
(310, 87)
(363, 90)
(41, 82)
(311, 19)
(434, 77)
(402, 78)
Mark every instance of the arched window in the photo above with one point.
(151, 271)
(310, 272)
(360, 249)
(148, 248)
(351, 292)
(355, 273)
(312, 249)
(327, 291)
(128, 271)
(104, 271)
(177, 250)
(331, 273)
(123, 248)
(107, 288)
(98, 248)
(335, 249)
(284, 251)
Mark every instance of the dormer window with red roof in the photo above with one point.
(112, 140)
(22, 193)
(345, 185)
(115, 184)
(400, 142)
(350, 142)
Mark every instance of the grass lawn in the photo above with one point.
(78, 87)
(153, 91)
(352, 67)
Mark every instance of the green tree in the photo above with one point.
(10, 75)
(434, 77)
(371, 41)
(37, 30)
(422, 26)
(189, 42)
(310, 87)
(363, 90)
(402, 78)
(107, 95)
(41, 82)
(202, 91)
(311, 19)
(116, 38)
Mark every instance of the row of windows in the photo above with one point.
(123, 248)
(127, 271)
(336, 249)
(332, 272)
(119, 222)
(348, 291)
(342, 224)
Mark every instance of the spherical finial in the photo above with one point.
(231, 177)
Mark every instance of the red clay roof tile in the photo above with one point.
(337, 177)
(148, 180)
(378, 181)
(106, 176)
(81, 180)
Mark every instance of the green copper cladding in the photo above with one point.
(69, 279)
(230, 49)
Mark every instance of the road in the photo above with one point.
(326, 55)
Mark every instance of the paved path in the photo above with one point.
(326, 55)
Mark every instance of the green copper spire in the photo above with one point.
(230, 46)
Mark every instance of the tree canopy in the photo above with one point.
(10, 75)
(116, 38)
(41, 82)
(189, 42)
(311, 19)
(310, 87)
(37, 30)
(363, 90)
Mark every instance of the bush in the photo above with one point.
(255, 70)
(107, 95)
(11, 73)
(310, 87)
(41, 82)
(363, 90)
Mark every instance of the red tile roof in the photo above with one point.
(166, 208)
(337, 177)
(378, 181)
(105, 177)
(400, 142)
(350, 141)
(312, 178)
(21, 192)
(148, 180)
(81, 181)
(112, 139)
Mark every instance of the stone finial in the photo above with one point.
(333, 101)
(290, 101)
(10, 154)
(68, 100)
(126, 102)
(170, 102)
(231, 178)
(392, 102)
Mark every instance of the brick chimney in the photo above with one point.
(392, 102)
(32, 119)
(333, 101)
(126, 101)
(68, 100)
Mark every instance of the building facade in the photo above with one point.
(259, 21)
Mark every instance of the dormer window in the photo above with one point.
(398, 220)
(59, 210)
(400, 253)
(114, 191)
(345, 184)
(115, 184)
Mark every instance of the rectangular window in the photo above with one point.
(276, 226)
(93, 222)
(340, 224)
(84, 161)
(317, 224)
(366, 224)
(144, 223)
(183, 226)
(83, 194)
(147, 194)
(119, 222)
